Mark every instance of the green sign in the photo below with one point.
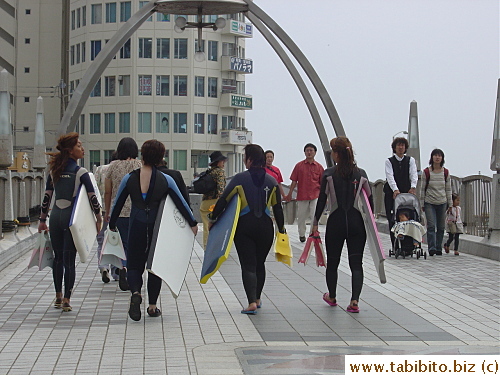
(241, 102)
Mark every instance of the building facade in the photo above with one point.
(31, 50)
(155, 88)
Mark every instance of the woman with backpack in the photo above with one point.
(216, 170)
(435, 196)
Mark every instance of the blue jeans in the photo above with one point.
(436, 215)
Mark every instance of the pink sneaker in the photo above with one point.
(352, 309)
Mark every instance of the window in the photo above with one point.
(163, 85)
(97, 89)
(95, 158)
(28, 11)
(96, 14)
(71, 87)
(110, 12)
(141, 4)
(212, 124)
(95, 48)
(228, 122)
(144, 122)
(95, 123)
(199, 123)
(78, 53)
(180, 122)
(162, 48)
(109, 86)
(81, 125)
(145, 48)
(228, 49)
(107, 156)
(180, 85)
(212, 87)
(125, 11)
(180, 48)
(180, 160)
(73, 16)
(160, 17)
(196, 45)
(26, 129)
(124, 122)
(199, 86)
(84, 15)
(162, 120)
(26, 70)
(125, 50)
(203, 161)
(83, 52)
(27, 40)
(78, 18)
(72, 55)
(26, 99)
(213, 47)
(124, 85)
(109, 123)
(145, 84)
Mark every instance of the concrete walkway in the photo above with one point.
(442, 305)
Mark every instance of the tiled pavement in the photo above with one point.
(445, 305)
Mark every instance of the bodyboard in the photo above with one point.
(112, 249)
(220, 239)
(372, 236)
(82, 224)
(96, 188)
(171, 246)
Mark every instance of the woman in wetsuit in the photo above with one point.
(342, 184)
(64, 179)
(254, 234)
(147, 187)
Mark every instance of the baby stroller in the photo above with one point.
(408, 234)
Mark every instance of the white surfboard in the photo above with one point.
(83, 224)
(171, 246)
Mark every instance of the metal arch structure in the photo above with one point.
(263, 22)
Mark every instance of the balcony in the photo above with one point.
(237, 101)
(236, 64)
(238, 28)
(236, 137)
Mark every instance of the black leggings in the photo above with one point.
(253, 240)
(345, 226)
(389, 207)
(64, 251)
(139, 241)
(453, 237)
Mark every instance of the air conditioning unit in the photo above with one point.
(120, 78)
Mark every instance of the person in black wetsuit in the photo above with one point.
(342, 184)
(147, 187)
(64, 179)
(254, 234)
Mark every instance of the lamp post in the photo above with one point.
(494, 222)
(402, 131)
(413, 135)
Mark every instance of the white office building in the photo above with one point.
(155, 88)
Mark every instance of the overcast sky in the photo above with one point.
(375, 57)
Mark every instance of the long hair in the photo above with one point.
(127, 148)
(436, 151)
(256, 154)
(65, 144)
(346, 163)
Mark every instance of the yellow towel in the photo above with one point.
(282, 249)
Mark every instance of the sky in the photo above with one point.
(375, 57)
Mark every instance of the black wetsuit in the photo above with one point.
(345, 223)
(179, 181)
(254, 234)
(142, 221)
(66, 189)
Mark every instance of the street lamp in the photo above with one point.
(402, 131)
(181, 24)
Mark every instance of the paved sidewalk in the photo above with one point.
(442, 305)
